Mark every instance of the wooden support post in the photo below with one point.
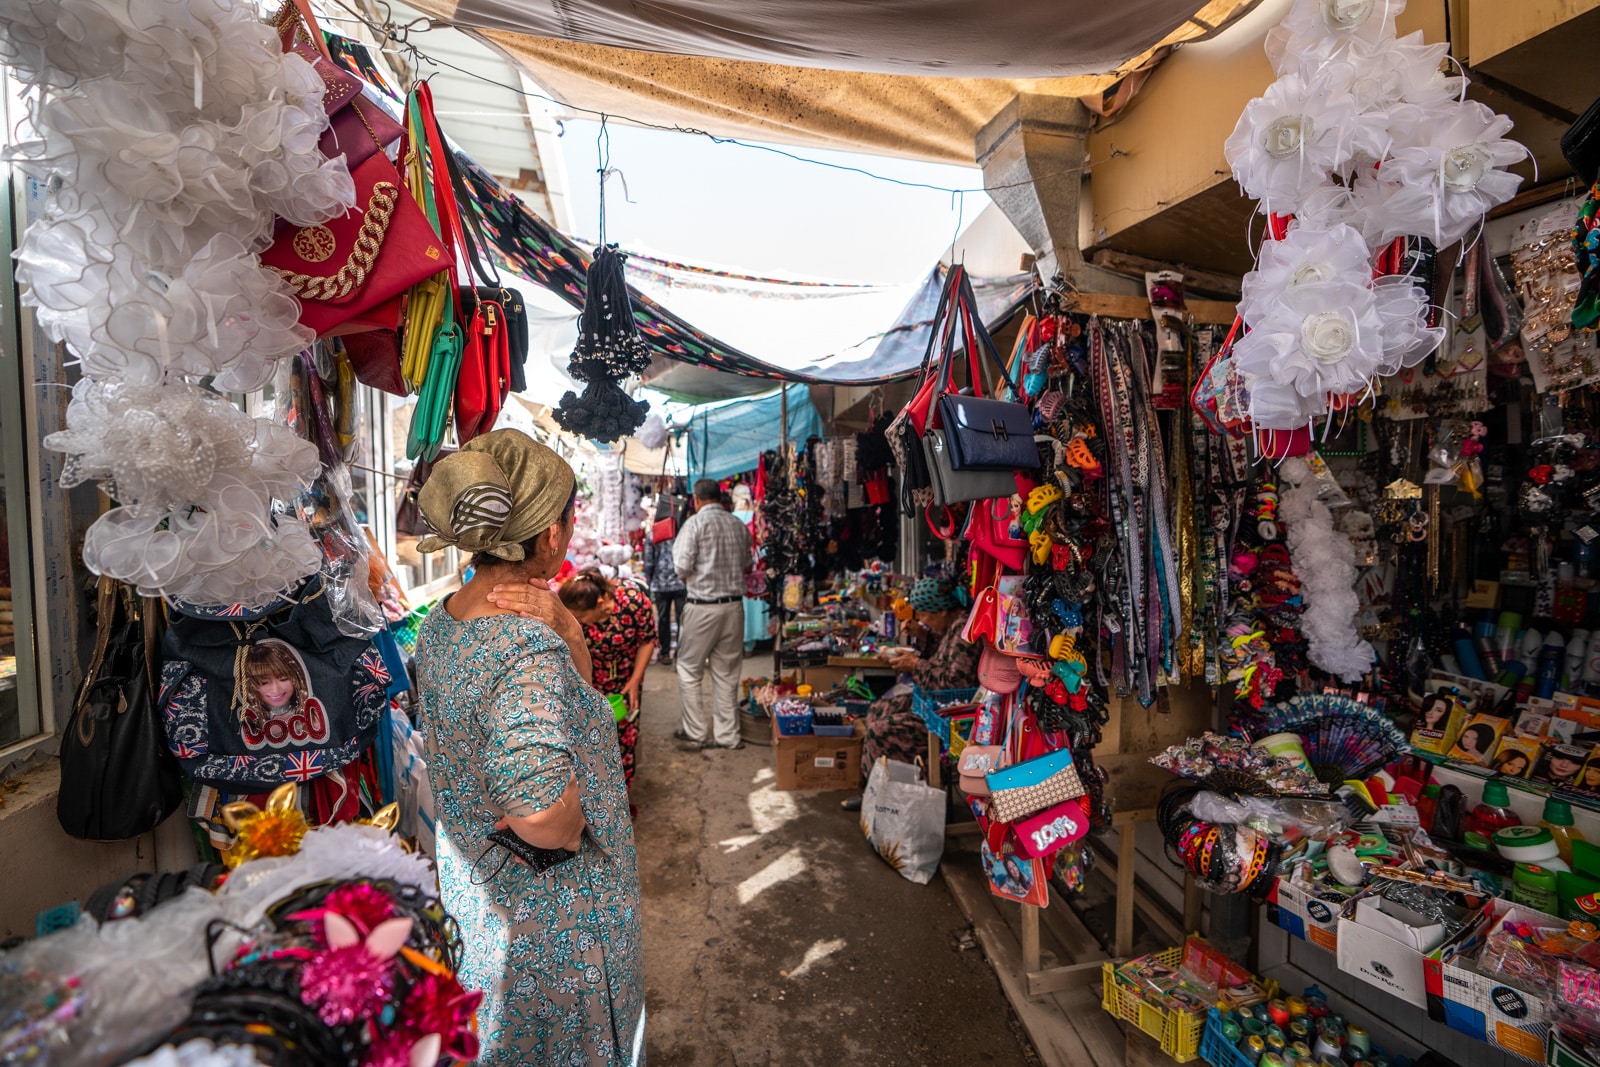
(1127, 856)
(1030, 939)
(934, 762)
(1193, 904)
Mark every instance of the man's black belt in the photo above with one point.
(717, 600)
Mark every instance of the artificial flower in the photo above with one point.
(1447, 169)
(1292, 138)
(353, 978)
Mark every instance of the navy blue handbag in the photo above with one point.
(988, 435)
(983, 434)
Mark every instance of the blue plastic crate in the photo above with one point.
(794, 725)
(927, 702)
(1215, 1049)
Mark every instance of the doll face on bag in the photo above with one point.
(276, 693)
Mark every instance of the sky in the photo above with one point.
(733, 207)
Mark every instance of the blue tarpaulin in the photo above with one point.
(725, 439)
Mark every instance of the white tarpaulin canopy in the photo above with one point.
(908, 77)
(945, 38)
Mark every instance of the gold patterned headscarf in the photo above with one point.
(499, 490)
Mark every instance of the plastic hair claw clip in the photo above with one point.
(1042, 497)
(1040, 543)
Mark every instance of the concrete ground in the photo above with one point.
(774, 936)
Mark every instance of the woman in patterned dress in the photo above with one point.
(892, 728)
(619, 624)
(518, 739)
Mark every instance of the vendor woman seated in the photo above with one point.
(945, 662)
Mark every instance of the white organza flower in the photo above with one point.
(1403, 313)
(153, 447)
(1447, 169)
(1293, 138)
(1319, 337)
(1307, 255)
(1315, 31)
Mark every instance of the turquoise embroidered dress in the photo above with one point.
(508, 722)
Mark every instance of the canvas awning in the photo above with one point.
(905, 77)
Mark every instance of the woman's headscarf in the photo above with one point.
(498, 491)
(932, 594)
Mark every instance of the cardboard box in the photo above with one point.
(1307, 912)
(817, 762)
(1493, 1010)
(1401, 959)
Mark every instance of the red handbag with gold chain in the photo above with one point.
(372, 254)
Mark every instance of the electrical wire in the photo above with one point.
(399, 37)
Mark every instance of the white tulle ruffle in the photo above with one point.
(222, 315)
(203, 58)
(1325, 562)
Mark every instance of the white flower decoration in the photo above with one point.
(1448, 168)
(1291, 139)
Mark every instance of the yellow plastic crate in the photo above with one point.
(1178, 1031)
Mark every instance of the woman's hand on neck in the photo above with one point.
(524, 593)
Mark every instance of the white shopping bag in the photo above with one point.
(411, 778)
(903, 818)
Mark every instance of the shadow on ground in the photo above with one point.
(774, 936)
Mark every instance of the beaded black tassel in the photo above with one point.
(609, 350)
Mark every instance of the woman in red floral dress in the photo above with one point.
(619, 623)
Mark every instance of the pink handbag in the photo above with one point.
(974, 766)
(1049, 831)
(998, 672)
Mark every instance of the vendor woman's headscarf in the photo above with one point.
(932, 594)
(498, 491)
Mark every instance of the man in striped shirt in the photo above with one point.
(712, 556)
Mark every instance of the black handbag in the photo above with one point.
(982, 433)
(1581, 144)
(408, 520)
(117, 778)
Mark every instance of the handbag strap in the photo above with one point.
(479, 260)
(300, 11)
(105, 622)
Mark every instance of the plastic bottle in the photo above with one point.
(1494, 812)
(1548, 673)
(1536, 887)
(1572, 666)
(1557, 818)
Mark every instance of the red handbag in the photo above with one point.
(375, 357)
(354, 263)
(485, 378)
(355, 129)
(664, 530)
